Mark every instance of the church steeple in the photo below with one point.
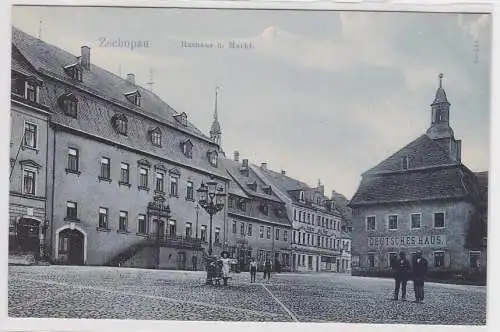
(440, 121)
(215, 131)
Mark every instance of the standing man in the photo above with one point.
(419, 270)
(267, 269)
(253, 269)
(401, 268)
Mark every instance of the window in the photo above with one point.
(249, 231)
(212, 158)
(30, 135)
(242, 229)
(308, 218)
(308, 239)
(391, 257)
(105, 168)
(71, 210)
(294, 214)
(69, 104)
(371, 260)
(474, 257)
(189, 191)
(189, 231)
(103, 217)
(318, 220)
(268, 233)
(174, 190)
(294, 237)
(439, 220)
(217, 235)
(159, 183)
(123, 222)
(415, 220)
(242, 205)
(393, 222)
(124, 173)
(29, 182)
(234, 227)
(120, 124)
(370, 223)
(438, 258)
(156, 137)
(301, 195)
(264, 208)
(404, 163)
(300, 215)
(30, 93)
(285, 235)
(143, 177)
(172, 228)
(277, 234)
(298, 239)
(72, 160)
(261, 232)
(203, 233)
(187, 149)
(303, 238)
(74, 71)
(134, 97)
(141, 224)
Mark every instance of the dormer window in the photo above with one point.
(134, 97)
(28, 87)
(264, 208)
(69, 103)
(242, 204)
(74, 71)
(212, 157)
(252, 185)
(267, 190)
(120, 122)
(181, 118)
(187, 148)
(405, 163)
(156, 137)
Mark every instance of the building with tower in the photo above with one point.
(422, 198)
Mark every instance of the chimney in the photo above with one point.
(283, 172)
(237, 156)
(131, 78)
(263, 165)
(245, 163)
(85, 57)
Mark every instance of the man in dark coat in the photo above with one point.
(419, 270)
(401, 268)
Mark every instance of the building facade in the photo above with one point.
(28, 161)
(421, 198)
(123, 167)
(258, 225)
(316, 223)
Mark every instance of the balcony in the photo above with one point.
(177, 241)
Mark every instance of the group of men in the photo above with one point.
(403, 271)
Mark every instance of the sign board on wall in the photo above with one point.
(407, 241)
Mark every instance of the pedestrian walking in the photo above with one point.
(401, 268)
(253, 269)
(226, 266)
(419, 270)
(267, 269)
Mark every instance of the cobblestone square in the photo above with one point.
(122, 293)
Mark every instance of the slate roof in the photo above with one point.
(436, 183)
(95, 114)
(422, 152)
(51, 60)
(482, 183)
(440, 97)
(284, 182)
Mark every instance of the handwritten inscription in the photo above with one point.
(233, 44)
(407, 241)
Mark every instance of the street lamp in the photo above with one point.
(197, 208)
(211, 199)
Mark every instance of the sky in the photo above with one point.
(324, 95)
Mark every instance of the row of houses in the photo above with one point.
(104, 172)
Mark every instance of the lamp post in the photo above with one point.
(197, 207)
(211, 199)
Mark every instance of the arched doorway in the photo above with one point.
(28, 236)
(71, 246)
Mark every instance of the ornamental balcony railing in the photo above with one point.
(177, 241)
